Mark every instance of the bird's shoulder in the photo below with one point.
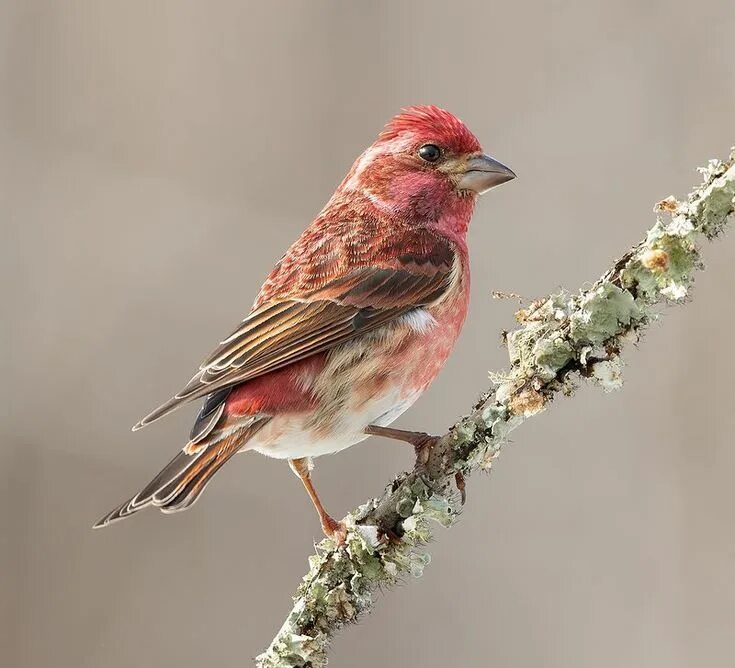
(330, 250)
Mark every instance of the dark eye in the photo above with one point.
(430, 152)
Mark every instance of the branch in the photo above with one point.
(560, 338)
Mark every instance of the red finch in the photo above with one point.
(351, 326)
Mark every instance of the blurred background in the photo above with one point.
(157, 158)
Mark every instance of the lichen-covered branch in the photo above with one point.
(560, 338)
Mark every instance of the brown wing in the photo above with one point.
(322, 315)
(183, 479)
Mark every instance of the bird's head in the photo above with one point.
(423, 162)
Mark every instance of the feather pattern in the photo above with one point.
(209, 415)
(183, 479)
(298, 315)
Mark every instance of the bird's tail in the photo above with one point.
(184, 478)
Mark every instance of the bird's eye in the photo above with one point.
(430, 152)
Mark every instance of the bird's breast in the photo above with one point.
(372, 379)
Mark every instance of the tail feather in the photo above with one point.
(184, 478)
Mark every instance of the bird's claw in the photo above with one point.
(459, 481)
(422, 445)
(335, 530)
(391, 535)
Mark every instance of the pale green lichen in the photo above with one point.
(712, 205)
(551, 354)
(608, 374)
(437, 508)
(601, 314)
(540, 345)
(558, 336)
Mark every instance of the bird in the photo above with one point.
(352, 324)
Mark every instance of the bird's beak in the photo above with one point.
(481, 172)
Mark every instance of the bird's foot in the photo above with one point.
(335, 530)
(422, 445)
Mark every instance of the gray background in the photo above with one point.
(158, 157)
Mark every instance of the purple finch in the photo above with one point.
(351, 326)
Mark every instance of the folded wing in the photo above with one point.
(294, 319)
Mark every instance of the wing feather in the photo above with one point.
(361, 295)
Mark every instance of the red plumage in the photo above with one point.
(353, 323)
(430, 123)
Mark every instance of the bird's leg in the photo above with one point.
(421, 441)
(331, 527)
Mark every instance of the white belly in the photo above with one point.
(290, 436)
(363, 383)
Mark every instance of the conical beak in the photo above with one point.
(483, 173)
